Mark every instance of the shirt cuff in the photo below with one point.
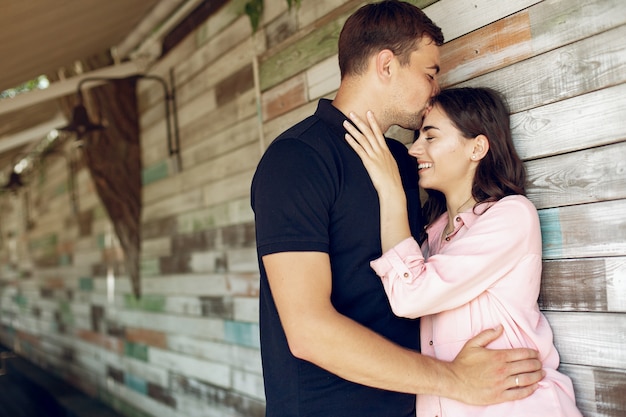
(394, 258)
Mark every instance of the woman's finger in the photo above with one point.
(371, 130)
(364, 128)
(357, 136)
(376, 128)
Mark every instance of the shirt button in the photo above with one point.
(430, 343)
(447, 238)
(458, 219)
(406, 275)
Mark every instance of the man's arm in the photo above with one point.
(301, 286)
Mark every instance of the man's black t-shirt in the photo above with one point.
(312, 193)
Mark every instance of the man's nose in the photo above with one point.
(436, 88)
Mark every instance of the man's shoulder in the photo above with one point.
(300, 129)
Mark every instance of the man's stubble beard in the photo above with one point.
(411, 121)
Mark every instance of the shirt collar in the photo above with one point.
(468, 217)
(331, 115)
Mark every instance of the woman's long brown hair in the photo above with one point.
(481, 111)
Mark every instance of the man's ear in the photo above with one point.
(481, 147)
(384, 63)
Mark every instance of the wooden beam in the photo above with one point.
(68, 86)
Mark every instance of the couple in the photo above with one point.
(336, 206)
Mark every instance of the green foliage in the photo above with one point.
(254, 10)
(36, 84)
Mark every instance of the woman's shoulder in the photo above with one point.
(517, 200)
(515, 208)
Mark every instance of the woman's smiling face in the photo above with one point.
(443, 153)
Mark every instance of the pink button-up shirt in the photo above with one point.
(487, 273)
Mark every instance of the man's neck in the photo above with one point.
(351, 97)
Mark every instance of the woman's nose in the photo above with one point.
(416, 149)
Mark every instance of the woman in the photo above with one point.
(480, 266)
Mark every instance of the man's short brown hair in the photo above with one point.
(391, 24)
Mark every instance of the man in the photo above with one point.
(330, 345)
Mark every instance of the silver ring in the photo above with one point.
(517, 381)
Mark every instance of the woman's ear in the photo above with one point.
(481, 147)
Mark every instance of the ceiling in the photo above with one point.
(42, 36)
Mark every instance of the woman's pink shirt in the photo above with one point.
(487, 274)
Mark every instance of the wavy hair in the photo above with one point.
(482, 111)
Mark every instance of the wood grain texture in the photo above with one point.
(586, 176)
(591, 339)
(591, 284)
(494, 46)
(581, 67)
(599, 391)
(284, 97)
(582, 122)
(296, 58)
(542, 27)
(587, 230)
(456, 20)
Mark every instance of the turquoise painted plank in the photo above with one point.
(136, 350)
(135, 383)
(65, 259)
(85, 283)
(20, 300)
(240, 333)
(154, 173)
(147, 302)
(101, 241)
(551, 234)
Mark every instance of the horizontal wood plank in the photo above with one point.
(242, 108)
(323, 78)
(574, 69)
(284, 97)
(296, 58)
(456, 20)
(580, 177)
(587, 230)
(223, 166)
(209, 146)
(592, 284)
(591, 120)
(593, 339)
(599, 391)
(542, 27)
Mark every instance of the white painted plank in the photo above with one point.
(457, 19)
(593, 339)
(597, 118)
(572, 70)
(323, 78)
(211, 372)
(204, 328)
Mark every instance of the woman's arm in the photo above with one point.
(371, 146)
(468, 266)
(489, 250)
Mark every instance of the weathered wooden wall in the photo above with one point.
(189, 346)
